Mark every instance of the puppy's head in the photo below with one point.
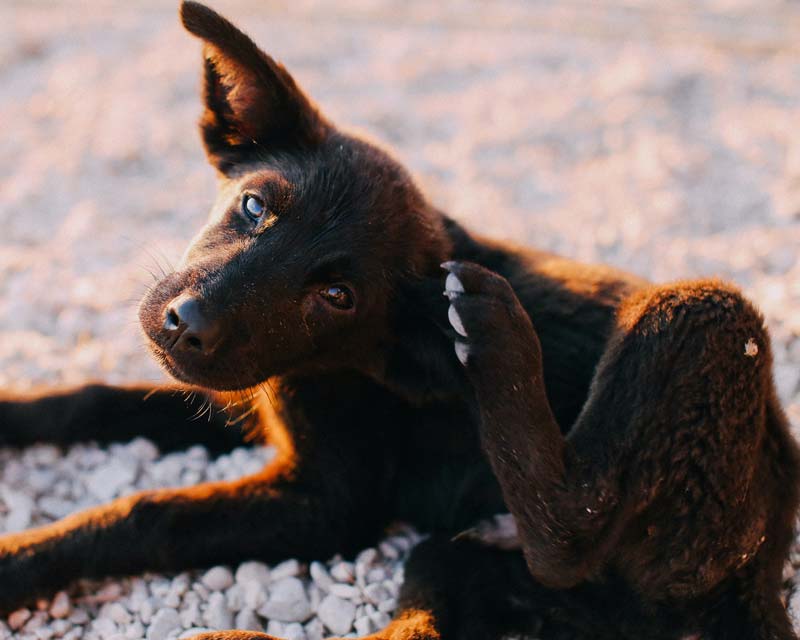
(311, 233)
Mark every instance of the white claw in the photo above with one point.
(462, 352)
(452, 285)
(455, 320)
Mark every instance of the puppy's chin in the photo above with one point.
(211, 375)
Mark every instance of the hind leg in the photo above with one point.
(661, 478)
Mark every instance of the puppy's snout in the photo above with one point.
(188, 328)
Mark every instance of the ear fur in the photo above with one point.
(253, 107)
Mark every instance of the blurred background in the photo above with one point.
(662, 137)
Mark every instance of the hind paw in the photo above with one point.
(490, 327)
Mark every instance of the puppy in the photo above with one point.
(632, 430)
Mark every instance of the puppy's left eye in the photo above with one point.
(338, 296)
(253, 208)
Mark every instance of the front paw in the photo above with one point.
(22, 572)
(493, 333)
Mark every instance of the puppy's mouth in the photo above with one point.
(210, 374)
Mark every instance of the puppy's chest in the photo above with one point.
(442, 481)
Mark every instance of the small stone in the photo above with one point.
(255, 595)
(164, 622)
(287, 602)
(45, 633)
(294, 631)
(343, 572)
(60, 627)
(363, 626)
(380, 619)
(346, 591)
(247, 620)
(108, 593)
(61, 606)
(375, 593)
(320, 576)
(315, 630)
(234, 596)
(337, 614)
(104, 627)
(275, 628)
(217, 578)
(55, 508)
(116, 612)
(143, 449)
(217, 615)
(17, 619)
(20, 510)
(134, 631)
(108, 480)
(286, 569)
(388, 605)
(253, 571)
(191, 616)
(147, 610)
(79, 616)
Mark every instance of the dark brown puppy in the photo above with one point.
(633, 431)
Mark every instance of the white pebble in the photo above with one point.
(275, 628)
(343, 572)
(217, 615)
(294, 631)
(109, 480)
(363, 626)
(247, 620)
(104, 627)
(315, 630)
(61, 606)
(255, 595)
(217, 578)
(164, 622)
(337, 614)
(346, 591)
(253, 571)
(320, 576)
(287, 602)
(18, 618)
(116, 612)
(286, 569)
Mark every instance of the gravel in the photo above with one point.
(660, 138)
(300, 601)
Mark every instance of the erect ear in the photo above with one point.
(252, 105)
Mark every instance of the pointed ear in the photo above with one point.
(252, 105)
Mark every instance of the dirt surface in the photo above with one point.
(662, 140)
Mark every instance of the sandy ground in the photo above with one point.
(662, 140)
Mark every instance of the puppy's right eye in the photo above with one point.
(252, 207)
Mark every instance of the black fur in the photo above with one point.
(630, 429)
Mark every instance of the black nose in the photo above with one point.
(188, 328)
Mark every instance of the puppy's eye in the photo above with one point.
(338, 296)
(252, 207)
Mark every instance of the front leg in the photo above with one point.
(561, 507)
(268, 516)
(171, 417)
